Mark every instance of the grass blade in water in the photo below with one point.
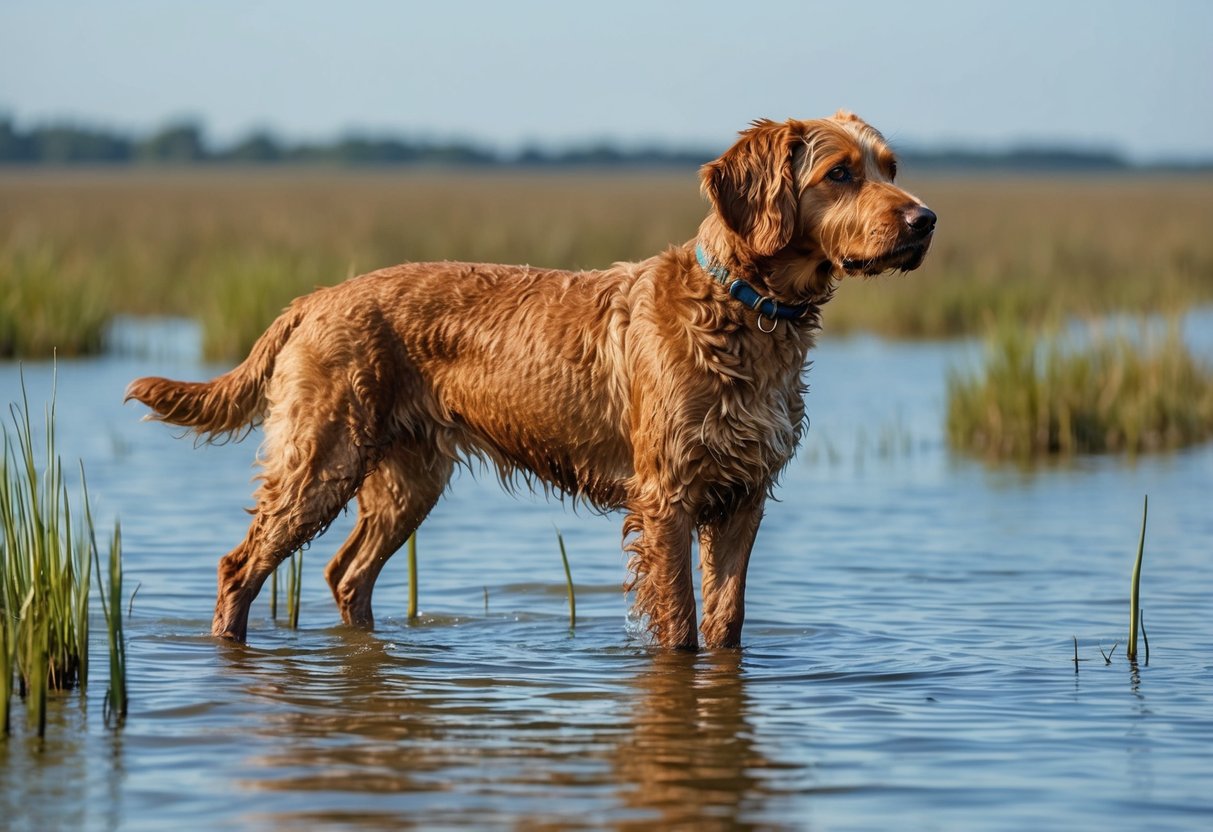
(412, 555)
(294, 589)
(568, 580)
(1135, 589)
(115, 697)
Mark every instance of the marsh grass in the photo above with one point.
(115, 705)
(1135, 589)
(568, 582)
(1126, 392)
(48, 302)
(412, 564)
(294, 589)
(293, 567)
(232, 248)
(47, 567)
(1035, 250)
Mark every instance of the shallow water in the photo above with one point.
(907, 659)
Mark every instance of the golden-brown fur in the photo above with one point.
(642, 387)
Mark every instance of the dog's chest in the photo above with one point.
(749, 435)
(755, 411)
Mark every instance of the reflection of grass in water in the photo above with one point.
(1113, 394)
(44, 583)
(233, 249)
(892, 442)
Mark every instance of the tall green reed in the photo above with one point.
(1135, 589)
(294, 589)
(293, 567)
(568, 582)
(47, 568)
(412, 560)
(6, 675)
(274, 595)
(115, 705)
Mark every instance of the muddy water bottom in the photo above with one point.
(907, 659)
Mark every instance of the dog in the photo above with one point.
(670, 388)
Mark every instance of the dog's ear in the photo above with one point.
(751, 186)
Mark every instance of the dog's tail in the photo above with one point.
(220, 408)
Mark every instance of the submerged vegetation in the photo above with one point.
(1113, 393)
(232, 247)
(48, 557)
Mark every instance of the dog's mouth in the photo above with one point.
(905, 257)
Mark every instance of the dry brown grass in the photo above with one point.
(231, 246)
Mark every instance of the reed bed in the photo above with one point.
(232, 247)
(1115, 392)
(47, 569)
(49, 301)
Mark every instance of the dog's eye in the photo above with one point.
(892, 171)
(839, 173)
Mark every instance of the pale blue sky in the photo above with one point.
(1137, 76)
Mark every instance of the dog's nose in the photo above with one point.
(920, 219)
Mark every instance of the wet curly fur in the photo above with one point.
(643, 387)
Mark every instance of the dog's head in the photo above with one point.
(810, 201)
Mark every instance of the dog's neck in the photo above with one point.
(794, 276)
(743, 292)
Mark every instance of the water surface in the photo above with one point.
(907, 659)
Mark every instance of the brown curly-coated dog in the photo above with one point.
(670, 388)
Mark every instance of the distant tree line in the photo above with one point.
(185, 143)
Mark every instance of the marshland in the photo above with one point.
(966, 502)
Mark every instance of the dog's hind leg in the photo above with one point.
(279, 527)
(312, 467)
(392, 502)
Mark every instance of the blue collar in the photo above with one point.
(743, 292)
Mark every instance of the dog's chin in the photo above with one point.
(905, 258)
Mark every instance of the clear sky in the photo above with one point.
(1135, 76)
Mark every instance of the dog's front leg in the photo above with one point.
(724, 555)
(660, 546)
